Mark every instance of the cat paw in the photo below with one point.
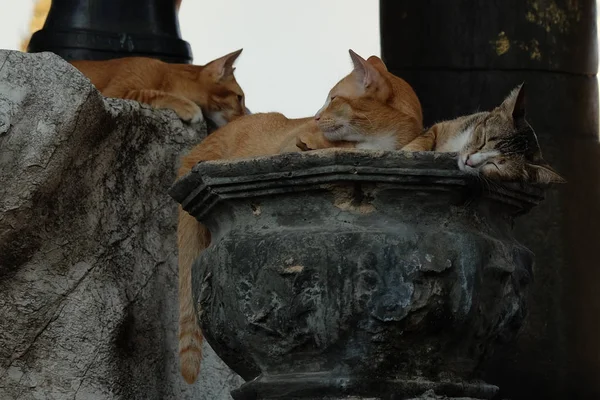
(197, 117)
(316, 141)
(413, 148)
(190, 113)
(302, 145)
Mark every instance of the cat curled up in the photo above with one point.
(499, 144)
(192, 91)
(370, 108)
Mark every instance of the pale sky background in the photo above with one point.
(294, 51)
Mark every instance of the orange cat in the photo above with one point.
(370, 109)
(192, 91)
(499, 144)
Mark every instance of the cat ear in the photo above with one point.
(223, 67)
(366, 73)
(518, 111)
(515, 103)
(543, 173)
(377, 62)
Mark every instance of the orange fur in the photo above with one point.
(371, 107)
(368, 104)
(192, 91)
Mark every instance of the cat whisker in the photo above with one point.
(492, 184)
(329, 125)
(488, 184)
(363, 115)
(354, 129)
(481, 180)
(495, 165)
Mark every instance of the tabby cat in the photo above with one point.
(370, 109)
(499, 144)
(192, 91)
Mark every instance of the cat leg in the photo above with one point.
(192, 238)
(316, 140)
(185, 109)
(425, 142)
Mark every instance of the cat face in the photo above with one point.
(502, 145)
(225, 99)
(226, 102)
(356, 107)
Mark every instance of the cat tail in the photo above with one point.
(192, 238)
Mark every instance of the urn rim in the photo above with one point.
(212, 182)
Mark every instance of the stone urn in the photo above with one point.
(336, 273)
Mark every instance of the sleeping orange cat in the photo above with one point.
(192, 91)
(369, 109)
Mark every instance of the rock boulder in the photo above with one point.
(88, 293)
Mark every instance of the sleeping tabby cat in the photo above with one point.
(370, 108)
(192, 91)
(499, 144)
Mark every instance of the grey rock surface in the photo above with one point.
(88, 295)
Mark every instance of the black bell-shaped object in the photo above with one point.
(106, 29)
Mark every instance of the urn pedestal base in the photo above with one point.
(326, 386)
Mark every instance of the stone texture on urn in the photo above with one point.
(354, 273)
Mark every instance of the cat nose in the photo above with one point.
(469, 161)
(317, 117)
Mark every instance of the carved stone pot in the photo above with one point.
(353, 273)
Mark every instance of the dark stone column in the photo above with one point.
(462, 56)
(105, 29)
